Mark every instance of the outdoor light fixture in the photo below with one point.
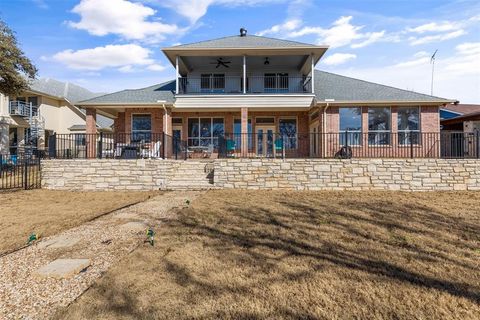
(267, 62)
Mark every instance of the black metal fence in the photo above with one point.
(20, 172)
(267, 144)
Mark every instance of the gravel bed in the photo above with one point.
(26, 295)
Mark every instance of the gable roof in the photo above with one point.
(149, 95)
(341, 88)
(62, 90)
(248, 41)
(462, 109)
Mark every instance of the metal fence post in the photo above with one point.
(25, 173)
(411, 144)
(175, 145)
(100, 146)
(283, 146)
(478, 144)
(164, 146)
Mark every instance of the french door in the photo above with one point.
(265, 144)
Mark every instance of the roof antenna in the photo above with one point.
(432, 61)
(243, 32)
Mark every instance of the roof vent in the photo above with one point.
(243, 32)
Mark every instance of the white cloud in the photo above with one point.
(126, 69)
(341, 33)
(156, 67)
(110, 56)
(193, 10)
(456, 76)
(287, 26)
(338, 58)
(414, 41)
(434, 27)
(121, 17)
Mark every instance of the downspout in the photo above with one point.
(324, 120)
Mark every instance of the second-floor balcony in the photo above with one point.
(24, 109)
(268, 84)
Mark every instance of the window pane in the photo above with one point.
(282, 80)
(193, 127)
(269, 80)
(218, 81)
(218, 127)
(408, 118)
(206, 127)
(205, 81)
(405, 138)
(379, 138)
(350, 119)
(288, 127)
(141, 123)
(354, 138)
(288, 131)
(379, 119)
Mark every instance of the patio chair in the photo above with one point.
(208, 153)
(279, 148)
(230, 147)
(155, 152)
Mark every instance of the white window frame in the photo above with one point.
(417, 131)
(351, 131)
(388, 132)
(199, 138)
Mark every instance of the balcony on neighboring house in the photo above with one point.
(270, 83)
(23, 109)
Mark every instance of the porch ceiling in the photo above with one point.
(266, 101)
(275, 63)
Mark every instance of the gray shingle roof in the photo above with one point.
(341, 88)
(248, 41)
(327, 86)
(163, 91)
(60, 89)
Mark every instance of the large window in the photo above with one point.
(379, 126)
(275, 82)
(141, 127)
(350, 126)
(288, 131)
(212, 82)
(205, 131)
(408, 125)
(237, 130)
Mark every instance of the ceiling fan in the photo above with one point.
(221, 62)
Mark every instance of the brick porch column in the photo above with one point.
(244, 131)
(167, 130)
(91, 130)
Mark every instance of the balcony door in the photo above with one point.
(265, 135)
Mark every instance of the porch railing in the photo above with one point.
(23, 109)
(340, 145)
(255, 85)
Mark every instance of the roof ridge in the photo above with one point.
(379, 84)
(252, 35)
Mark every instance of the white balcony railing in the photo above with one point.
(255, 85)
(24, 109)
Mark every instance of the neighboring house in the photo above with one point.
(460, 117)
(48, 107)
(251, 90)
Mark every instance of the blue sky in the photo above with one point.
(109, 45)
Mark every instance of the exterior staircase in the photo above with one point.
(191, 175)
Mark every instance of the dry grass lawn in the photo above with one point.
(302, 255)
(47, 212)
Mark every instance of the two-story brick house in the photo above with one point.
(249, 93)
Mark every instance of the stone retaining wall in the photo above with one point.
(297, 174)
(106, 174)
(352, 174)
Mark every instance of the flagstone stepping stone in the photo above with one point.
(63, 268)
(134, 226)
(59, 242)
